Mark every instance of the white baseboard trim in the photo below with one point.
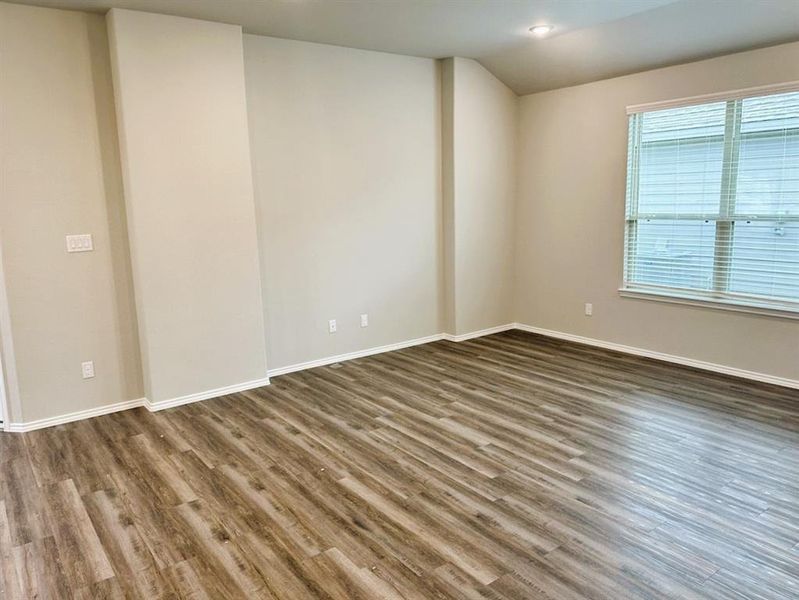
(241, 387)
(75, 416)
(672, 358)
(248, 385)
(329, 360)
(206, 395)
(475, 334)
(128, 404)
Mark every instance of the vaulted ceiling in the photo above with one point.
(591, 39)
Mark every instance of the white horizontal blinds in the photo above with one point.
(680, 156)
(713, 199)
(765, 247)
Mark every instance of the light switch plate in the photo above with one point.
(331, 326)
(364, 320)
(80, 243)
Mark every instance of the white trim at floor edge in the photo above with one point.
(128, 404)
(672, 358)
(241, 387)
(475, 334)
(248, 385)
(329, 360)
(75, 416)
(206, 395)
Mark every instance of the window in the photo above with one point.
(713, 202)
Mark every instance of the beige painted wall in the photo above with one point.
(480, 113)
(59, 175)
(570, 220)
(345, 147)
(179, 86)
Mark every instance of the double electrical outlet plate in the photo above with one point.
(332, 327)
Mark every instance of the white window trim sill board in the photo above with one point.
(717, 304)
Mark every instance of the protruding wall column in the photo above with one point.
(180, 98)
(478, 149)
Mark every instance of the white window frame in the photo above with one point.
(718, 298)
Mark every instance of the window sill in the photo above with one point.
(718, 304)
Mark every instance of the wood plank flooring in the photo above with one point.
(511, 466)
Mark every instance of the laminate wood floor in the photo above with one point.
(511, 466)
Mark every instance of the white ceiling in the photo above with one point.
(593, 39)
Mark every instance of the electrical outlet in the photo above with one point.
(87, 369)
(80, 243)
(364, 320)
(589, 309)
(331, 326)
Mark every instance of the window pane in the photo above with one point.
(682, 234)
(765, 259)
(768, 171)
(770, 113)
(674, 253)
(700, 121)
(680, 160)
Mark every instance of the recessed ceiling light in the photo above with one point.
(540, 30)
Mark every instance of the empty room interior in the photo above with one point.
(402, 299)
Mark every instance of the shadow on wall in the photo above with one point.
(108, 139)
